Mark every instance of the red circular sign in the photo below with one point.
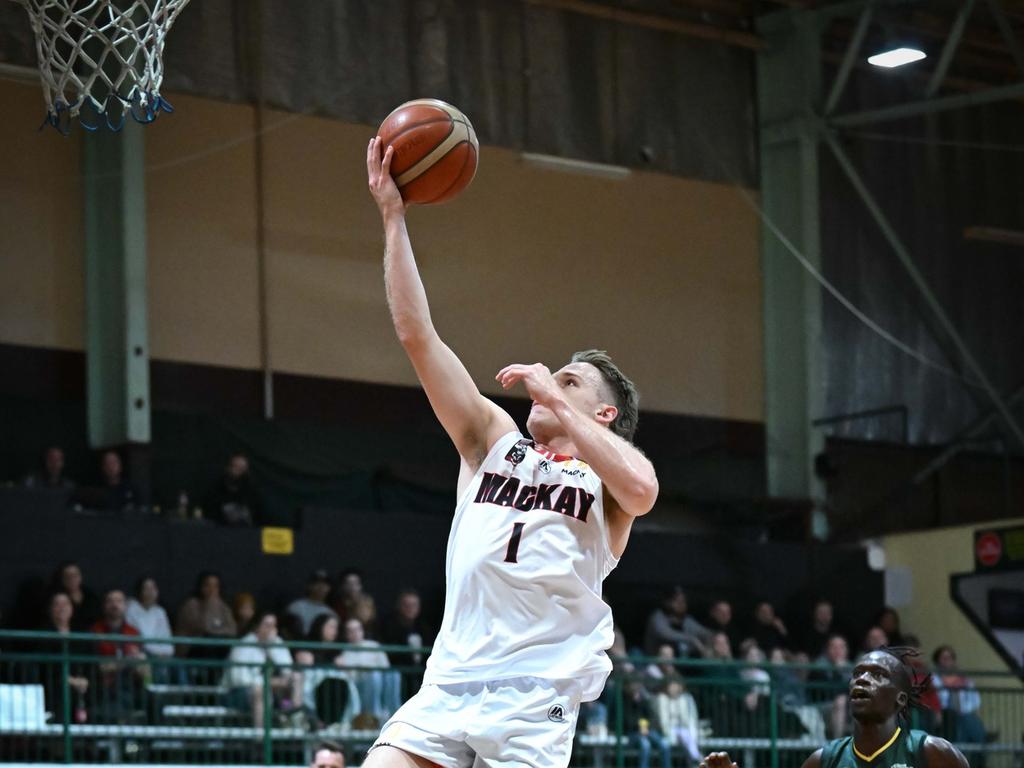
(989, 549)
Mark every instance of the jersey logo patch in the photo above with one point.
(517, 453)
(556, 714)
(544, 466)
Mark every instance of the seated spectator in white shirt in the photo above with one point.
(677, 713)
(379, 687)
(304, 610)
(145, 613)
(245, 675)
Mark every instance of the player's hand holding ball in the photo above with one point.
(378, 172)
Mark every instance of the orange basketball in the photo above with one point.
(435, 150)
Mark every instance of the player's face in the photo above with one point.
(875, 695)
(583, 387)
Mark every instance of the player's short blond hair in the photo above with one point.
(621, 390)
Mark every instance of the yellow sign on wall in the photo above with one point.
(278, 541)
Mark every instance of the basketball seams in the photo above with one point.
(424, 164)
(421, 124)
(465, 161)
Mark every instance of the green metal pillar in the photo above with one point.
(789, 90)
(117, 339)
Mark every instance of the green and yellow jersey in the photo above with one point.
(904, 750)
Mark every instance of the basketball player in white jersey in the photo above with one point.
(539, 523)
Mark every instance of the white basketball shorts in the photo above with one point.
(524, 722)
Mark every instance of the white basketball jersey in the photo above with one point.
(527, 553)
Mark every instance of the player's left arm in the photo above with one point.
(626, 473)
(941, 754)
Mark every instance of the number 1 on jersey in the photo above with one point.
(513, 543)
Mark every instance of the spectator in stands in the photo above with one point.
(243, 609)
(889, 622)
(234, 500)
(406, 627)
(325, 629)
(379, 688)
(790, 673)
(720, 620)
(758, 677)
(120, 495)
(768, 629)
(59, 620)
(831, 685)
(328, 755)
(641, 726)
(660, 672)
(822, 627)
(339, 701)
(145, 613)
(121, 679)
(671, 624)
(305, 609)
(244, 677)
(874, 639)
(719, 648)
(205, 614)
(351, 602)
(51, 475)
(958, 698)
(68, 579)
(677, 715)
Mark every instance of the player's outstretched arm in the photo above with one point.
(472, 421)
(627, 474)
(941, 754)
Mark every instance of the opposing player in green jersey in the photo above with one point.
(883, 688)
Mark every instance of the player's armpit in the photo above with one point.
(473, 422)
(941, 754)
(814, 761)
(619, 524)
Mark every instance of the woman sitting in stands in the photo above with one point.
(59, 619)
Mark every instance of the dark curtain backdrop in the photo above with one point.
(529, 78)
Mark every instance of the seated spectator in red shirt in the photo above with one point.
(51, 475)
(119, 689)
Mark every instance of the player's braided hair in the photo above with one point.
(912, 682)
(627, 400)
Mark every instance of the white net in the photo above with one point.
(101, 61)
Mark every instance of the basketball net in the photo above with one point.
(100, 63)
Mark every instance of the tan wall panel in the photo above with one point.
(527, 265)
(201, 235)
(41, 299)
(932, 557)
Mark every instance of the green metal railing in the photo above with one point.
(60, 702)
